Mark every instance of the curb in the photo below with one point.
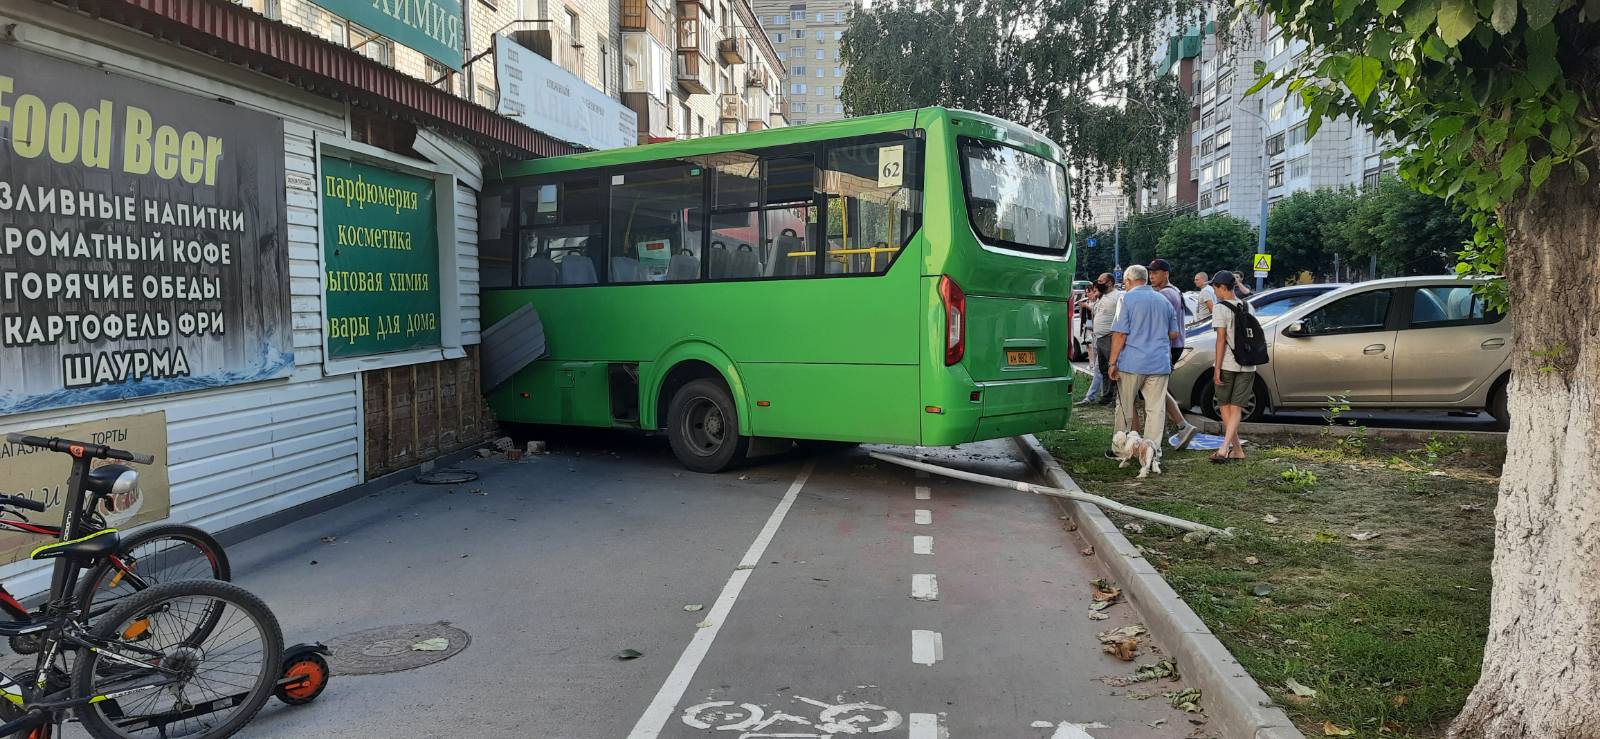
(1238, 707)
(1294, 429)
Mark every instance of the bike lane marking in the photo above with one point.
(665, 703)
(923, 493)
(922, 545)
(924, 587)
(924, 517)
(927, 726)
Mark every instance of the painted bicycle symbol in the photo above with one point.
(755, 722)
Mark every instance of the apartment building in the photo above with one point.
(807, 35)
(1237, 147)
(699, 68)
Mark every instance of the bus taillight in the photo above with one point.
(955, 320)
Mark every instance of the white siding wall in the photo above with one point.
(237, 454)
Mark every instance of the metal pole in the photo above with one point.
(1116, 244)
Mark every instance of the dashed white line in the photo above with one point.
(665, 703)
(925, 587)
(1067, 730)
(924, 516)
(927, 726)
(923, 493)
(922, 545)
(927, 647)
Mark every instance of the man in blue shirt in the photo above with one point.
(1141, 360)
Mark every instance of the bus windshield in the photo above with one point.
(1015, 199)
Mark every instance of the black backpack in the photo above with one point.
(1249, 341)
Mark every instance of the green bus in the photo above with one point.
(903, 278)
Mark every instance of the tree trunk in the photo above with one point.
(1541, 667)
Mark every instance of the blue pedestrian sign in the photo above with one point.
(1089, 242)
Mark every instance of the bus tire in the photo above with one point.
(703, 427)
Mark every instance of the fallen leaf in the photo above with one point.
(1269, 518)
(703, 624)
(1101, 605)
(692, 607)
(1121, 632)
(1469, 507)
(1400, 700)
(1325, 537)
(436, 644)
(1436, 473)
(1188, 701)
(1328, 729)
(1298, 689)
(1252, 560)
(1364, 535)
(1098, 615)
(1087, 551)
(1123, 649)
(1261, 589)
(1104, 591)
(628, 654)
(1156, 724)
(1163, 669)
(1133, 526)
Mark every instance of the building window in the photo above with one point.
(783, 56)
(1224, 167)
(1372, 178)
(486, 96)
(1297, 134)
(1299, 167)
(1207, 145)
(838, 71)
(838, 108)
(1207, 174)
(798, 70)
(822, 73)
(1275, 145)
(369, 44)
(1224, 138)
(838, 35)
(1205, 200)
(440, 76)
(820, 18)
(797, 52)
(838, 16)
(821, 36)
(1222, 195)
(778, 38)
(838, 91)
(1275, 175)
(1275, 46)
(1275, 111)
(798, 106)
(1207, 119)
(797, 13)
(819, 55)
(797, 88)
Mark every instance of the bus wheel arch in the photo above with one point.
(686, 363)
(696, 407)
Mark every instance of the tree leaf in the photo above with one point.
(1443, 129)
(1541, 12)
(1543, 66)
(1263, 82)
(1363, 76)
(1420, 18)
(1540, 171)
(1580, 172)
(1343, 9)
(1504, 17)
(1388, 7)
(1434, 49)
(1514, 158)
(1457, 18)
(1560, 137)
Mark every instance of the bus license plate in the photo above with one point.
(1015, 358)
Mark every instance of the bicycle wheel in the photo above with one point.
(212, 681)
(148, 556)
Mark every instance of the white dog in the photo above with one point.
(1130, 445)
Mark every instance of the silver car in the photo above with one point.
(1407, 342)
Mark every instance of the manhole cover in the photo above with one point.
(447, 477)
(396, 648)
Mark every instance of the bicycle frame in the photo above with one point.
(15, 609)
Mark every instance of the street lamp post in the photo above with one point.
(1261, 228)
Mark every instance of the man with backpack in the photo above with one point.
(1241, 346)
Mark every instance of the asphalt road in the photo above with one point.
(820, 618)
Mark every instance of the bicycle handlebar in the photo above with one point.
(21, 502)
(80, 448)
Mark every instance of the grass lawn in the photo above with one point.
(1388, 631)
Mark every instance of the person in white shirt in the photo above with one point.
(1206, 300)
(1235, 383)
(1105, 313)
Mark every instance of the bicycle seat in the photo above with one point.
(83, 549)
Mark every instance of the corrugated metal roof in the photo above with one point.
(241, 36)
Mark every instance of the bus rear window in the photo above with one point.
(1015, 199)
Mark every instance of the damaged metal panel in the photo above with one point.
(510, 344)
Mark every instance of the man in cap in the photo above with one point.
(1161, 282)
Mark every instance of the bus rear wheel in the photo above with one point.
(703, 427)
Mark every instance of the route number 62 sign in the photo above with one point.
(891, 165)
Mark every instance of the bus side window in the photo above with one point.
(560, 238)
(789, 216)
(497, 236)
(873, 202)
(655, 219)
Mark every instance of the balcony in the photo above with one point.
(731, 107)
(694, 72)
(733, 50)
(780, 112)
(756, 78)
(549, 40)
(652, 114)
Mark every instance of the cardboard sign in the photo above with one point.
(41, 475)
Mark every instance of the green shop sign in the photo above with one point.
(380, 250)
(432, 27)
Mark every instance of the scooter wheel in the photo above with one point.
(314, 669)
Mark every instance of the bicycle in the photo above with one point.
(193, 658)
(150, 555)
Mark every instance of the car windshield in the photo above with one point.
(1015, 199)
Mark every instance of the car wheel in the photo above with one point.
(703, 427)
(1499, 407)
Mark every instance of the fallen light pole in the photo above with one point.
(1028, 487)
